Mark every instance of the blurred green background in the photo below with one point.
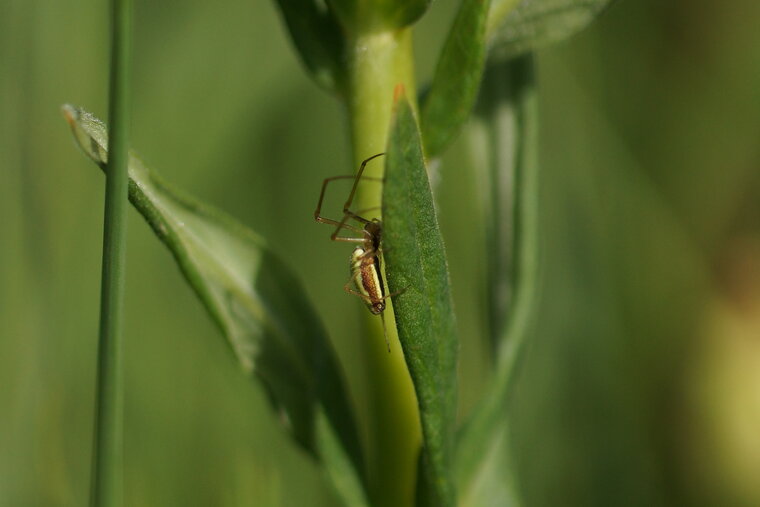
(641, 385)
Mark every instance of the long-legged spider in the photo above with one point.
(366, 272)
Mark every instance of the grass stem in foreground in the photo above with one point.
(107, 466)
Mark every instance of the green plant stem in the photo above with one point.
(379, 63)
(107, 478)
(519, 118)
(508, 104)
(510, 111)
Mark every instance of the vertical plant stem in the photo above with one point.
(509, 107)
(509, 110)
(379, 63)
(521, 109)
(107, 477)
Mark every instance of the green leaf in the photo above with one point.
(317, 37)
(536, 23)
(258, 304)
(507, 120)
(448, 103)
(416, 265)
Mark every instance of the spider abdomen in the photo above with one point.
(365, 271)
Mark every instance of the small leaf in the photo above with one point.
(317, 37)
(416, 265)
(258, 304)
(536, 23)
(507, 117)
(448, 103)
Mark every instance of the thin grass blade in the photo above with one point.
(107, 483)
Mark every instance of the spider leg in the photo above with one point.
(364, 297)
(342, 225)
(317, 212)
(356, 181)
(355, 177)
(347, 213)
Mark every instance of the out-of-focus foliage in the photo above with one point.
(258, 305)
(508, 108)
(317, 38)
(519, 26)
(638, 383)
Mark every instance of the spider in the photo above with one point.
(366, 272)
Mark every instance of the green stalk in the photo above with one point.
(379, 63)
(509, 106)
(509, 110)
(107, 463)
